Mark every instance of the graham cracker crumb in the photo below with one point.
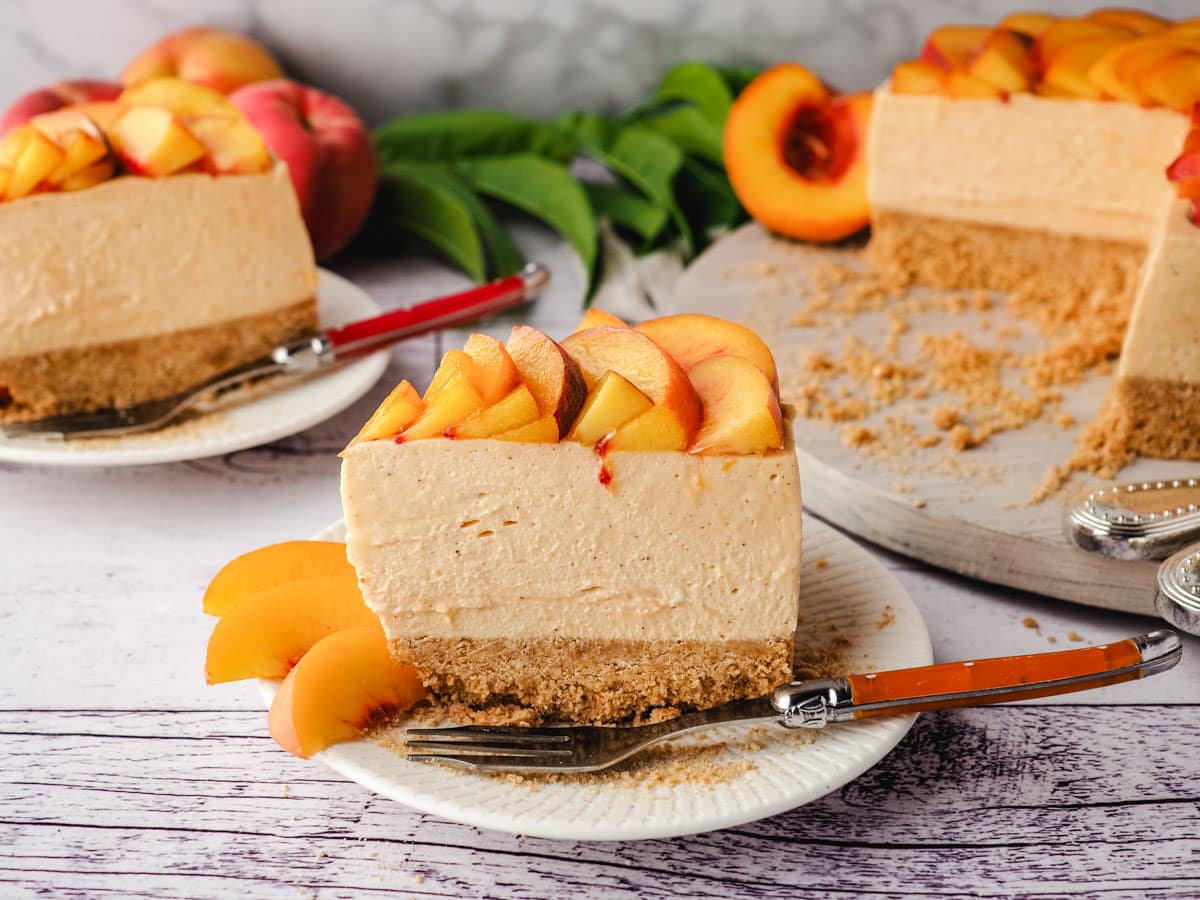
(887, 618)
(945, 417)
(1031, 622)
(857, 435)
(1051, 639)
(1074, 636)
(822, 562)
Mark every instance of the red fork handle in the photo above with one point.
(369, 335)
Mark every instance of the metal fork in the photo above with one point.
(312, 353)
(806, 704)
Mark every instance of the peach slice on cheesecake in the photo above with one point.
(1174, 81)
(517, 409)
(692, 337)
(1004, 61)
(496, 373)
(539, 431)
(550, 372)
(595, 318)
(611, 403)
(658, 428)
(154, 141)
(918, 76)
(454, 400)
(1068, 68)
(952, 46)
(31, 158)
(1030, 24)
(398, 410)
(741, 409)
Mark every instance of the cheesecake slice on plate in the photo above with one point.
(591, 529)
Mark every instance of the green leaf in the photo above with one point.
(426, 210)
(627, 209)
(544, 190)
(444, 136)
(650, 162)
(737, 77)
(691, 131)
(707, 199)
(700, 85)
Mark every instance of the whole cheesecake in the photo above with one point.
(591, 536)
(181, 256)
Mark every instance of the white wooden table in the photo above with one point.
(122, 774)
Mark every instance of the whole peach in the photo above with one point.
(55, 96)
(221, 60)
(328, 150)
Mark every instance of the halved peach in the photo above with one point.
(539, 431)
(960, 83)
(611, 403)
(597, 318)
(267, 633)
(1004, 61)
(271, 566)
(36, 159)
(398, 410)
(692, 337)
(658, 428)
(1173, 82)
(517, 409)
(741, 408)
(497, 374)
(1030, 24)
(1067, 69)
(550, 372)
(342, 684)
(918, 76)
(454, 401)
(1136, 20)
(1064, 31)
(153, 141)
(184, 98)
(951, 46)
(796, 157)
(641, 361)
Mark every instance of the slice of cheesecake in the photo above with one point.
(172, 251)
(590, 557)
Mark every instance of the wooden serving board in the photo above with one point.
(975, 520)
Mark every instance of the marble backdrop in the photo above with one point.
(394, 56)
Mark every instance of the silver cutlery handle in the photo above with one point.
(1136, 520)
(1178, 599)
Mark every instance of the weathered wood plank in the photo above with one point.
(1029, 801)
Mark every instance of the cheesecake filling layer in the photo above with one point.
(138, 257)
(490, 540)
(1070, 167)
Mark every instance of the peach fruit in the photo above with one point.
(642, 362)
(1065, 31)
(153, 141)
(455, 399)
(1118, 71)
(1030, 24)
(539, 431)
(342, 684)
(551, 374)
(31, 158)
(918, 76)
(658, 428)
(692, 337)
(960, 83)
(329, 153)
(496, 373)
(267, 633)
(514, 411)
(55, 96)
(952, 46)
(611, 403)
(1136, 20)
(596, 318)
(398, 410)
(221, 60)
(272, 566)
(1004, 62)
(1173, 82)
(1067, 69)
(741, 409)
(796, 156)
(181, 97)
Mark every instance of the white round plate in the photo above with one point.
(237, 426)
(751, 773)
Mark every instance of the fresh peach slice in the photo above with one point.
(796, 157)
(1065, 31)
(346, 681)
(1067, 70)
(497, 373)
(598, 318)
(39, 156)
(234, 146)
(398, 410)
(267, 633)
(741, 409)
(453, 402)
(184, 98)
(1118, 71)
(1004, 61)
(271, 566)
(5, 174)
(154, 142)
(1030, 24)
(89, 177)
(517, 409)
(104, 113)
(918, 76)
(551, 373)
(963, 84)
(1173, 82)
(610, 404)
(1136, 20)
(539, 431)
(951, 46)
(641, 361)
(692, 337)
(81, 151)
(12, 144)
(658, 428)
(453, 362)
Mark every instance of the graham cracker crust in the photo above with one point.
(125, 373)
(584, 680)
(1161, 416)
(949, 254)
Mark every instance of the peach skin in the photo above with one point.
(741, 410)
(551, 374)
(692, 337)
(221, 60)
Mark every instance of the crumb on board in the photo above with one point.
(1032, 623)
(886, 618)
(1074, 636)
(1051, 639)
(822, 562)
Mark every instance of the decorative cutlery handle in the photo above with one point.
(369, 335)
(1137, 520)
(976, 682)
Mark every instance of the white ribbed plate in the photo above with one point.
(842, 587)
(248, 420)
